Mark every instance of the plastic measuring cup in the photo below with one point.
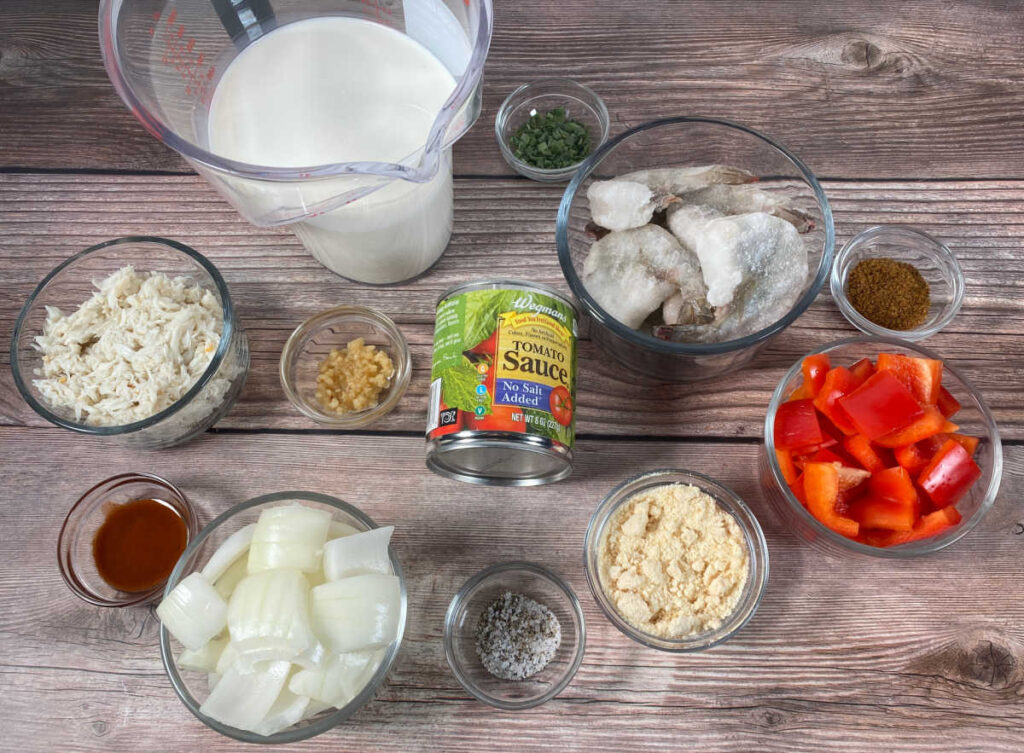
(375, 222)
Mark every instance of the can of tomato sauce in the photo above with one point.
(503, 384)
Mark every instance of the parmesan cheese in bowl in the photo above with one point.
(675, 560)
(136, 339)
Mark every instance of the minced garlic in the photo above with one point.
(354, 378)
(672, 562)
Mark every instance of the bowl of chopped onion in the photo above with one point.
(283, 617)
(135, 339)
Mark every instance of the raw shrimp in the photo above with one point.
(624, 204)
(680, 180)
(728, 200)
(630, 273)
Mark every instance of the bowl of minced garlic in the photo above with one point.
(676, 561)
(345, 367)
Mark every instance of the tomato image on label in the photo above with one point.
(561, 405)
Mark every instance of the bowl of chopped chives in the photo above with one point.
(897, 281)
(547, 128)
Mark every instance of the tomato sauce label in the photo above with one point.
(504, 360)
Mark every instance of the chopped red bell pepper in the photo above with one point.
(930, 423)
(796, 426)
(814, 368)
(946, 403)
(922, 376)
(862, 369)
(825, 455)
(881, 406)
(797, 487)
(838, 382)
(789, 471)
(874, 512)
(864, 452)
(948, 475)
(969, 443)
(927, 526)
(912, 457)
(895, 485)
(821, 485)
(803, 392)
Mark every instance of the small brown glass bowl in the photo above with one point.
(74, 545)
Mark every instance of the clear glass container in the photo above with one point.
(75, 542)
(71, 284)
(974, 418)
(314, 339)
(687, 142)
(757, 552)
(580, 103)
(463, 616)
(931, 257)
(192, 687)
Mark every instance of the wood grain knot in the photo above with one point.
(869, 57)
(771, 718)
(99, 728)
(985, 661)
(992, 665)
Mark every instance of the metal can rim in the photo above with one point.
(501, 440)
(499, 283)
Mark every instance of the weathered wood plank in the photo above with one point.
(506, 228)
(936, 90)
(880, 656)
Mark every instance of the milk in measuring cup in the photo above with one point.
(338, 89)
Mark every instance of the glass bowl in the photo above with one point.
(931, 257)
(757, 551)
(71, 284)
(579, 102)
(192, 687)
(74, 544)
(681, 142)
(313, 340)
(974, 418)
(460, 625)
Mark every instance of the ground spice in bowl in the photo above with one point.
(517, 637)
(892, 294)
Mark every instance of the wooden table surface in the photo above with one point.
(909, 112)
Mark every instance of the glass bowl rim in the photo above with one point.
(399, 382)
(120, 479)
(595, 103)
(459, 599)
(646, 341)
(337, 716)
(865, 325)
(758, 555)
(900, 551)
(226, 337)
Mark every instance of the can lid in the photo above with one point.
(494, 460)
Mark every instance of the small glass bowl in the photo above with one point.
(313, 340)
(74, 544)
(757, 552)
(974, 418)
(192, 687)
(931, 257)
(579, 102)
(460, 624)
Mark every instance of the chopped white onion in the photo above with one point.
(243, 699)
(291, 536)
(228, 657)
(205, 659)
(193, 612)
(340, 680)
(268, 617)
(286, 711)
(358, 554)
(234, 546)
(314, 708)
(226, 583)
(211, 680)
(338, 529)
(357, 613)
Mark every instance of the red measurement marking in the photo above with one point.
(174, 15)
(152, 31)
(156, 16)
(181, 31)
(190, 45)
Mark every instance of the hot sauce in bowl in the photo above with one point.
(138, 543)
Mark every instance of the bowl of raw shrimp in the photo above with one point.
(690, 242)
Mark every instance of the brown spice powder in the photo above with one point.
(890, 293)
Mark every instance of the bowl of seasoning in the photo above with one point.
(345, 367)
(675, 560)
(896, 281)
(122, 538)
(514, 635)
(546, 128)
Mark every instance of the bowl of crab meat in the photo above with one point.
(690, 243)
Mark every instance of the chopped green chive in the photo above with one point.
(551, 141)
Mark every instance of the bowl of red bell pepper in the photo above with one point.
(877, 446)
